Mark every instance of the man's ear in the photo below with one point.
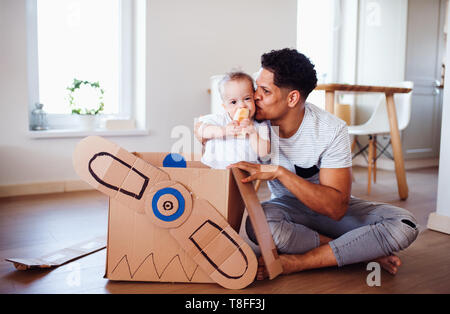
(223, 105)
(293, 98)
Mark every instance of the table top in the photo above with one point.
(362, 88)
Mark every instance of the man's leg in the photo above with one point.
(367, 232)
(290, 236)
(376, 230)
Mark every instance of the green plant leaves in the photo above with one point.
(76, 108)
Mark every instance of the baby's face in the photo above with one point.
(238, 94)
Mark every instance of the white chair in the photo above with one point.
(378, 124)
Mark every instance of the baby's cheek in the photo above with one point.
(252, 108)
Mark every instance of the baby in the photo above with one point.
(233, 136)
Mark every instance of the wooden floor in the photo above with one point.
(33, 225)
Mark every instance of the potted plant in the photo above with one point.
(86, 101)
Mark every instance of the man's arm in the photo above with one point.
(330, 197)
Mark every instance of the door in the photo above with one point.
(424, 59)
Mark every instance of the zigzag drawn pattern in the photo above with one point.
(132, 274)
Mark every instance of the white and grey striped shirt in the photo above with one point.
(321, 141)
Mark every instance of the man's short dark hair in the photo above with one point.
(291, 69)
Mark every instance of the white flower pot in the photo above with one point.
(87, 121)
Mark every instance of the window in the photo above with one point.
(317, 35)
(77, 39)
(87, 40)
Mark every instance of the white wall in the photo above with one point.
(443, 197)
(440, 220)
(187, 42)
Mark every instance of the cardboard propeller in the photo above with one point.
(196, 225)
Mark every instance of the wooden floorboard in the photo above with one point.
(33, 225)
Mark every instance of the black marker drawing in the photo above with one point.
(116, 188)
(132, 274)
(222, 231)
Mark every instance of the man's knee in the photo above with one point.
(402, 232)
(275, 219)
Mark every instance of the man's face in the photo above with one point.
(270, 100)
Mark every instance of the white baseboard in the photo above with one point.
(43, 188)
(388, 164)
(439, 223)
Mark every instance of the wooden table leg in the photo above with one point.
(329, 101)
(397, 148)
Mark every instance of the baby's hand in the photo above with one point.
(233, 129)
(247, 126)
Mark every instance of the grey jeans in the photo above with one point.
(367, 231)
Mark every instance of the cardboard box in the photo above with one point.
(156, 198)
(137, 250)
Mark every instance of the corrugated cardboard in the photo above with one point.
(192, 204)
(260, 225)
(149, 253)
(61, 256)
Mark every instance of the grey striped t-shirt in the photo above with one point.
(321, 141)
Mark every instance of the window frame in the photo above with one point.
(127, 69)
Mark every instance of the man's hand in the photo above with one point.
(258, 171)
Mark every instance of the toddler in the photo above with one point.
(233, 136)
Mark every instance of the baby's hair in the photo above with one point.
(234, 76)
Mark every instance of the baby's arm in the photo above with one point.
(259, 145)
(204, 132)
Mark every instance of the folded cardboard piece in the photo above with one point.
(260, 225)
(61, 256)
(162, 207)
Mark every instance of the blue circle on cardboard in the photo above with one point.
(174, 160)
(179, 198)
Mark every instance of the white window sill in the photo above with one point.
(67, 133)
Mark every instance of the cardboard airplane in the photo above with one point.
(192, 221)
(199, 229)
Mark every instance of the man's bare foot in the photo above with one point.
(262, 273)
(390, 263)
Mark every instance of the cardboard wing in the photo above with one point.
(62, 256)
(260, 225)
(193, 222)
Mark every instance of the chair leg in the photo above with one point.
(375, 159)
(370, 166)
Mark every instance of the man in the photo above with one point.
(314, 220)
